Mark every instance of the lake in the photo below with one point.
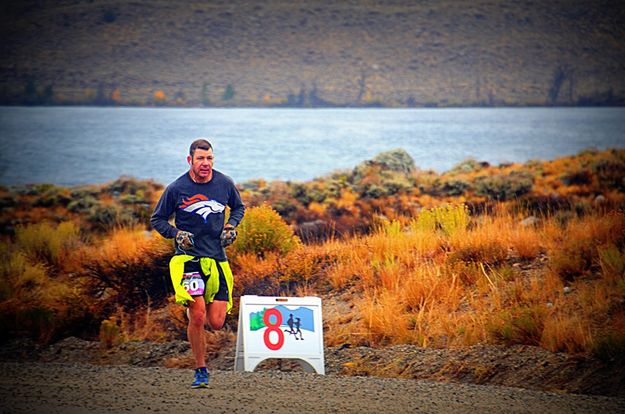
(81, 145)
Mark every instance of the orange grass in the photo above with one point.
(432, 289)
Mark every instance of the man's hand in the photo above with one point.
(184, 239)
(228, 235)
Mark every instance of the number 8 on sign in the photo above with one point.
(273, 327)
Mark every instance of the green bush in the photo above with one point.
(394, 183)
(334, 186)
(107, 217)
(468, 165)
(130, 199)
(307, 193)
(284, 206)
(263, 230)
(372, 191)
(504, 187)
(82, 204)
(85, 191)
(128, 185)
(397, 160)
(455, 187)
(53, 196)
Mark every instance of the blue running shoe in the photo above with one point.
(201, 378)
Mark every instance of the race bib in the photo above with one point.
(193, 283)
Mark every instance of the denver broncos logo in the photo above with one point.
(200, 204)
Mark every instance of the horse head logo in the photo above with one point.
(200, 204)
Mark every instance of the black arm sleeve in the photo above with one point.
(237, 208)
(160, 217)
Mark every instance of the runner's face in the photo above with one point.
(202, 164)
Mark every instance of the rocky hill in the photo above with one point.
(313, 53)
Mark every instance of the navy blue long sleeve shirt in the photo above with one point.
(199, 208)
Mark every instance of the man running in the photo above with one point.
(199, 270)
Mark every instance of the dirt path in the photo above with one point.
(81, 388)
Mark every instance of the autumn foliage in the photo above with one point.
(529, 254)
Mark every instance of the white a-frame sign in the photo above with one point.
(280, 327)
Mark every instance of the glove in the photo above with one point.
(184, 240)
(228, 235)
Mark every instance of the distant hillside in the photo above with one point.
(313, 53)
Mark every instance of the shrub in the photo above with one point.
(31, 302)
(396, 183)
(468, 165)
(504, 187)
(479, 250)
(523, 325)
(53, 196)
(455, 187)
(610, 172)
(449, 219)
(566, 334)
(110, 332)
(612, 262)
(107, 217)
(129, 185)
(335, 185)
(610, 347)
(425, 221)
(384, 164)
(44, 241)
(372, 190)
(307, 194)
(285, 207)
(85, 191)
(452, 219)
(526, 242)
(263, 230)
(397, 160)
(585, 246)
(83, 203)
(228, 93)
(485, 243)
(580, 177)
(129, 268)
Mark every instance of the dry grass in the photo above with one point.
(32, 300)
(410, 281)
(432, 289)
(434, 277)
(46, 242)
(142, 324)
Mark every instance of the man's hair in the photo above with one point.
(200, 143)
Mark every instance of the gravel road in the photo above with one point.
(83, 388)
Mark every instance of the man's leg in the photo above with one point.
(217, 314)
(195, 330)
(218, 307)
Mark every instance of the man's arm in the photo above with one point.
(160, 217)
(237, 208)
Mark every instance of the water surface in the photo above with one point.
(79, 145)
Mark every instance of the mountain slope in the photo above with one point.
(393, 53)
